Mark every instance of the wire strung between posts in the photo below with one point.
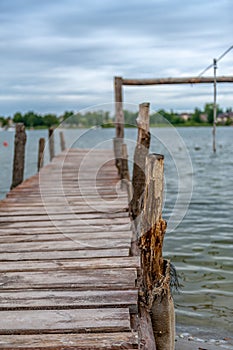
(218, 59)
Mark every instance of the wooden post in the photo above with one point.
(117, 145)
(126, 183)
(119, 108)
(119, 120)
(215, 106)
(155, 271)
(40, 161)
(51, 143)
(146, 335)
(62, 141)
(125, 168)
(141, 151)
(19, 155)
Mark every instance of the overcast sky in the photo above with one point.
(58, 55)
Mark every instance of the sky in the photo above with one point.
(58, 55)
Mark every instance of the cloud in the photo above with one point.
(63, 55)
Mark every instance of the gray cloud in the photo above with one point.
(58, 55)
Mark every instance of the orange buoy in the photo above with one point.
(5, 144)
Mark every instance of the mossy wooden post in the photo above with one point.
(62, 141)
(141, 151)
(40, 161)
(19, 155)
(119, 120)
(155, 271)
(51, 143)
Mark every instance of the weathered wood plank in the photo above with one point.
(40, 209)
(67, 299)
(86, 341)
(124, 222)
(69, 229)
(42, 237)
(73, 264)
(81, 279)
(65, 245)
(55, 321)
(64, 254)
(82, 216)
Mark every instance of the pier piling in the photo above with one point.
(62, 141)
(51, 143)
(19, 155)
(40, 161)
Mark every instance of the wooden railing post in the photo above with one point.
(51, 143)
(125, 168)
(119, 120)
(155, 271)
(117, 146)
(125, 176)
(40, 161)
(62, 141)
(19, 155)
(141, 151)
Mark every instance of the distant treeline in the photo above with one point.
(103, 118)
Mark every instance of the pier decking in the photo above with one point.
(67, 280)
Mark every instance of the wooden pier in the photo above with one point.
(67, 278)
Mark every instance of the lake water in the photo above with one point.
(198, 207)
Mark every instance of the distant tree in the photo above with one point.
(209, 110)
(18, 118)
(196, 117)
(30, 119)
(3, 121)
(67, 115)
(50, 119)
(106, 117)
(130, 117)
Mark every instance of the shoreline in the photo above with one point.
(196, 338)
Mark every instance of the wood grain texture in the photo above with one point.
(55, 321)
(87, 341)
(70, 264)
(64, 254)
(53, 299)
(83, 279)
(185, 80)
(67, 280)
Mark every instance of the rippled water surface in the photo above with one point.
(198, 186)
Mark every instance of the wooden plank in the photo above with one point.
(69, 229)
(42, 237)
(73, 264)
(86, 341)
(56, 228)
(55, 321)
(124, 222)
(65, 245)
(82, 216)
(48, 299)
(24, 210)
(64, 191)
(65, 254)
(82, 197)
(80, 280)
